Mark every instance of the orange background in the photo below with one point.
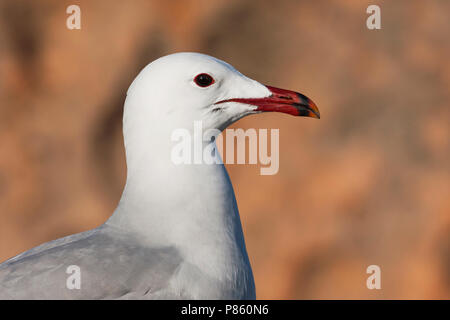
(366, 184)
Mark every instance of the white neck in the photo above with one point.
(189, 206)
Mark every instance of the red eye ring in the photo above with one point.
(203, 80)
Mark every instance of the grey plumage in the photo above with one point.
(113, 266)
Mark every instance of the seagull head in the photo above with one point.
(178, 89)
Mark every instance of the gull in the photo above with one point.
(176, 232)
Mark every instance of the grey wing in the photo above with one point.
(104, 262)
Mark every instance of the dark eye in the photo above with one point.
(203, 80)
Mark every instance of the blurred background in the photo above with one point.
(367, 184)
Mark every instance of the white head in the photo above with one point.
(178, 89)
(166, 201)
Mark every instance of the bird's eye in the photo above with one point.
(203, 80)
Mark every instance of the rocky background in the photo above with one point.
(366, 184)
